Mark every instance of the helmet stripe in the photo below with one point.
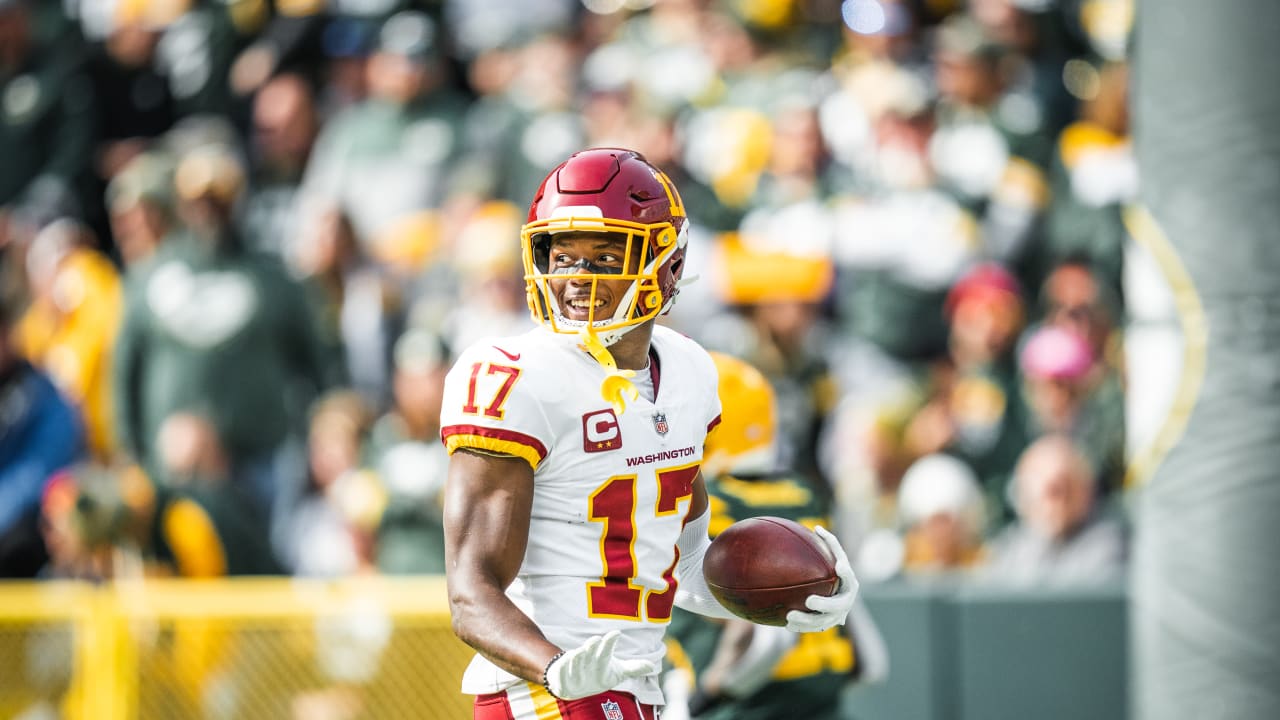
(673, 195)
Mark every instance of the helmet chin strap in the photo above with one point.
(605, 338)
(617, 388)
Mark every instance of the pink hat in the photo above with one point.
(1056, 353)
(986, 280)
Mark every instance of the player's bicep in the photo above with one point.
(487, 504)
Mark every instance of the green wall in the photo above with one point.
(960, 652)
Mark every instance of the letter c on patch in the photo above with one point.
(600, 431)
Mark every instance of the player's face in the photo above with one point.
(582, 260)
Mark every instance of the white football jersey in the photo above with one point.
(611, 490)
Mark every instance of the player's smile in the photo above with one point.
(578, 304)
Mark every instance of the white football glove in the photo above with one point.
(591, 668)
(828, 611)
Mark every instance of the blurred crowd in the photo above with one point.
(242, 240)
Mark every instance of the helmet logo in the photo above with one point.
(660, 423)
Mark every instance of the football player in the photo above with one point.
(575, 512)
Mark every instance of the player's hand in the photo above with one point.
(591, 668)
(827, 610)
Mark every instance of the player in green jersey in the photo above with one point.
(735, 669)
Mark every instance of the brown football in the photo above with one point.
(762, 568)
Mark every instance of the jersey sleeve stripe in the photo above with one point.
(507, 442)
(714, 422)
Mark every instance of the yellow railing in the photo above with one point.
(240, 648)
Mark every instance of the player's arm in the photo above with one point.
(701, 503)
(692, 593)
(488, 499)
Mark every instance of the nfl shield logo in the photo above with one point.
(660, 423)
(612, 710)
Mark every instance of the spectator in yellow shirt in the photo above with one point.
(70, 326)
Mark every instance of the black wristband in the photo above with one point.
(550, 662)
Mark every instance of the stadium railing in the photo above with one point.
(239, 648)
(382, 648)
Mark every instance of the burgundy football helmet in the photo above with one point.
(616, 191)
